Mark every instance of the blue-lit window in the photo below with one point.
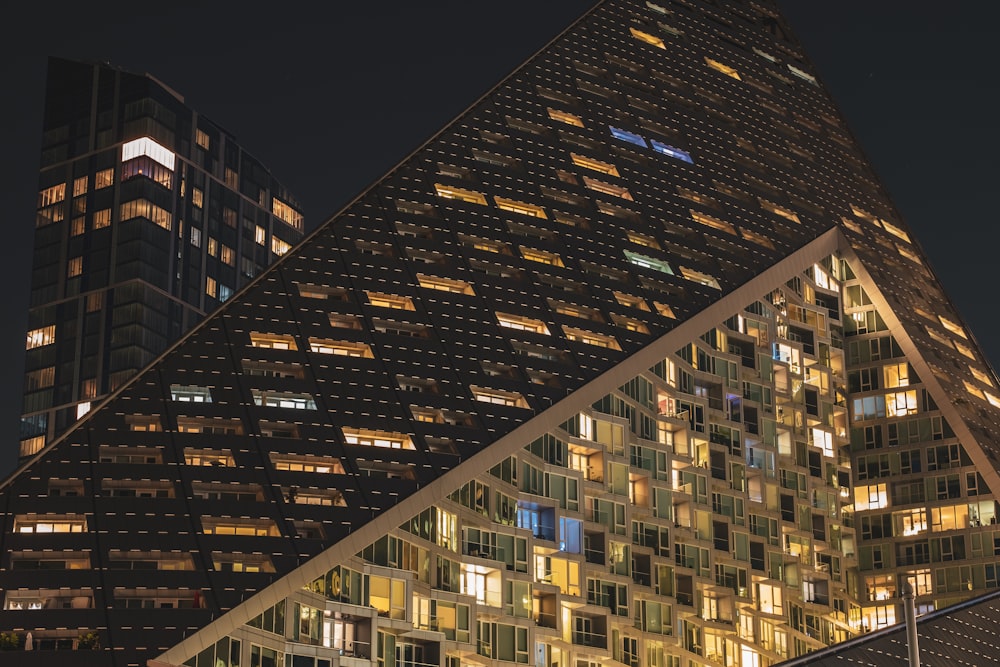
(675, 153)
(628, 136)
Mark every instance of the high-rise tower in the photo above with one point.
(634, 361)
(149, 216)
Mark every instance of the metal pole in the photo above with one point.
(910, 614)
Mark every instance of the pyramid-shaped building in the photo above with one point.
(634, 362)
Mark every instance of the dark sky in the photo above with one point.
(330, 96)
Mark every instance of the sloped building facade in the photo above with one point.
(634, 362)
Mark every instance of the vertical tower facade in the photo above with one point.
(149, 216)
(633, 362)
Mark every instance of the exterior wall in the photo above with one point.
(134, 242)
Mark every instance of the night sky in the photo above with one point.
(331, 98)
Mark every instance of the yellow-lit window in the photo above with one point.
(52, 195)
(102, 218)
(244, 527)
(909, 254)
(74, 267)
(643, 240)
(954, 517)
(631, 301)
(574, 310)
(79, 186)
(714, 223)
(383, 300)
(208, 457)
(720, 67)
(272, 341)
(260, 235)
(201, 138)
(444, 284)
(895, 231)
(211, 287)
(104, 178)
(279, 247)
(607, 188)
(864, 215)
(896, 375)
(700, 277)
(964, 350)
(370, 438)
(521, 207)
(286, 213)
(77, 226)
(499, 397)
(596, 165)
(142, 208)
(630, 323)
(41, 337)
(50, 523)
(974, 390)
(310, 463)
(591, 338)
(197, 197)
(953, 327)
(521, 323)
(564, 117)
(981, 376)
(779, 210)
(449, 192)
(228, 255)
(213, 246)
(872, 497)
(646, 37)
(759, 239)
(665, 310)
(541, 256)
(31, 446)
(344, 348)
(901, 403)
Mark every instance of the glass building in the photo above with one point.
(632, 363)
(149, 216)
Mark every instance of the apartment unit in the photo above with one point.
(149, 217)
(632, 363)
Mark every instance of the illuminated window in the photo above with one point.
(148, 148)
(31, 446)
(901, 403)
(665, 310)
(630, 323)
(486, 245)
(520, 207)
(642, 239)
(74, 267)
(895, 231)
(208, 457)
(964, 350)
(52, 195)
(499, 397)
(630, 137)
(104, 178)
(321, 292)
(344, 348)
(190, 394)
(952, 327)
(286, 213)
(469, 196)
(541, 256)
(973, 389)
(591, 338)
(233, 526)
(444, 284)
(672, 151)
(574, 310)
(80, 186)
(383, 300)
(50, 523)
(41, 337)
(283, 399)
(648, 262)
(272, 341)
(759, 239)
(631, 301)
(522, 323)
(279, 247)
(40, 378)
(725, 69)
(779, 210)
(201, 138)
(102, 218)
(197, 197)
(909, 254)
(384, 439)
(607, 188)
(978, 374)
(872, 497)
(141, 208)
(227, 255)
(596, 165)
(805, 76)
(211, 286)
(646, 37)
(700, 277)
(564, 117)
(260, 235)
(714, 223)
(307, 463)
